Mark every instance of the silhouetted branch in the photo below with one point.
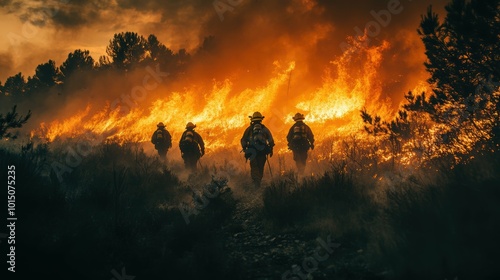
(10, 121)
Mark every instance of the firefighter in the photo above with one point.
(192, 147)
(257, 142)
(300, 139)
(162, 140)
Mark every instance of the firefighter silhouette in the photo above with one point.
(192, 147)
(162, 140)
(300, 139)
(257, 143)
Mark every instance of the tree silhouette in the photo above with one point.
(208, 45)
(158, 51)
(182, 59)
(10, 121)
(103, 63)
(127, 49)
(464, 62)
(461, 114)
(46, 75)
(32, 84)
(14, 85)
(77, 61)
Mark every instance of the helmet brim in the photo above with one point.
(256, 118)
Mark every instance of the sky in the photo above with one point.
(253, 44)
(33, 32)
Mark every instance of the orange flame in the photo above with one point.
(221, 114)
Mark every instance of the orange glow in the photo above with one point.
(332, 108)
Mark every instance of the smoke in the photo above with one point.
(5, 64)
(254, 42)
(254, 31)
(257, 33)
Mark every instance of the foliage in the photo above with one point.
(332, 197)
(14, 85)
(77, 61)
(127, 49)
(446, 230)
(119, 206)
(464, 60)
(46, 74)
(461, 116)
(10, 121)
(158, 52)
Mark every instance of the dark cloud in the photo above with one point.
(73, 18)
(253, 35)
(10, 6)
(343, 14)
(78, 13)
(4, 3)
(53, 13)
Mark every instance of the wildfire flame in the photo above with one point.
(221, 115)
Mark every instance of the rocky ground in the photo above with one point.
(264, 252)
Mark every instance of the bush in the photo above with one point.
(116, 209)
(444, 231)
(330, 203)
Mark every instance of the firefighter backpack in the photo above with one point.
(299, 138)
(188, 143)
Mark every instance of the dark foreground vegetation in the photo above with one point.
(417, 198)
(418, 228)
(119, 209)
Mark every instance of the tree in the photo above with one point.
(46, 75)
(462, 114)
(77, 61)
(32, 84)
(127, 49)
(463, 58)
(208, 45)
(103, 63)
(462, 52)
(182, 59)
(10, 121)
(158, 51)
(14, 85)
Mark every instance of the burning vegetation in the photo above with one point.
(396, 158)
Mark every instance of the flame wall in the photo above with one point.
(278, 57)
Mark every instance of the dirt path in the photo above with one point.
(263, 254)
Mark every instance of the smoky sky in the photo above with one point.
(5, 64)
(343, 14)
(252, 35)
